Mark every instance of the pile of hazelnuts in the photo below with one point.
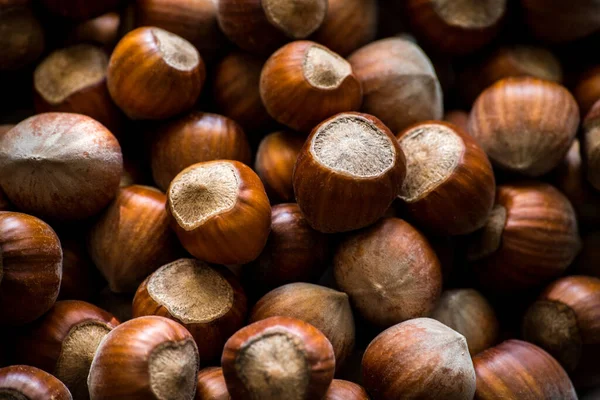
(299, 199)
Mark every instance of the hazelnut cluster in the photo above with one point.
(299, 199)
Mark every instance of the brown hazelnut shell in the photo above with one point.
(326, 309)
(23, 38)
(456, 29)
(236, 236)
(470, 314)
(101, 31)
(285, 72)
(345, 390)
(441, 209)
(23, 381)
(211, 385)
(158, 354)
(517, 369)
(336, 201)
(61, 69)
(349, 24)
(390, 272)
(53, 344)
(236, 90)
(248, 24)
(420, 358)
(195, 21)
(560, 22)
(459, 118)
(5, 128)
(505, 62)
(143, 81)
(587, 89)
(525, 125)
(531, 237)
(210, 335)
(294, 252)
(132, 238)
(399, 82)
(275, 160)
(565, 321)
(31, 268)
(570, 177)
(195, 138)
(308, 345)
(69, 170)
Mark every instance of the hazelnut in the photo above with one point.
(262, 27)
(323, 84)
(417, 359)
(459, 118)
(81, 280)
(468, 313)
(294, 252)
(571, 179)
(132, 238)
(564, 322)
(25, 382)
(591, 145)
(30, 268)
(74, 80)
(560, 22)
(344, 390)
(348, 172)
(146, 358)
(60, 166)
(275, 160)
(456, 27)
(399, 83)
(101, 31)
(509, 61)
(63, 342)
(80, 9)
(587, 89)
(348, 25)
(211, 385)
(236, 90)
(155, 74)
(519, 370)
(530, 237)
(207, 301)
(446, 169)
(525, 125)
(326, 309)
(390, 272)
(278, 358)
(220, 212)
(195, 21)
(5, 128)
(194, 138)
(22, 40)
